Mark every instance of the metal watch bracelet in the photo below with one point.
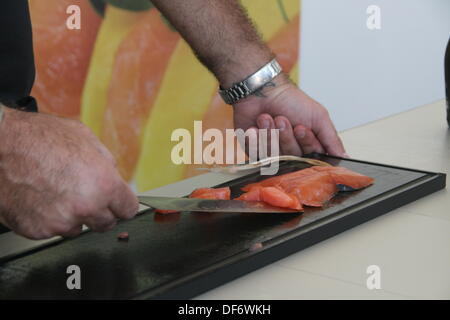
(250, 85)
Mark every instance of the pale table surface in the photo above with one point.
(411, 245)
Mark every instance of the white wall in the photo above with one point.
(362, 75)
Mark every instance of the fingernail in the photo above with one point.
(301, 133)
(281, 125)
(265, 124)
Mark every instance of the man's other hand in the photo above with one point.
(305, 125)
(56, 176)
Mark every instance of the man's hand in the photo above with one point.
(304, 124)
(56, 176)
(227, 43)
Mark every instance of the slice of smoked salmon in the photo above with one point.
(254, 194)
(345, 177)
(312, 190)
(212, 193)
(312, 186)
(276, 181)
(278, 198)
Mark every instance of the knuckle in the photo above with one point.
(98, 180)
(105, 183)
(83, 209)
(110, 186)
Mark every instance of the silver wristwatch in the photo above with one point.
(250, 85)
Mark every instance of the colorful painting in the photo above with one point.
(129, 76)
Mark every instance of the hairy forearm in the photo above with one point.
(221, 35)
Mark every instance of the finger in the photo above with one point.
(329, 139)
(307, 140)
(101, 222)
(251, 143)
(73, 232)
(265, 122)
(288, 143)
(124, 203)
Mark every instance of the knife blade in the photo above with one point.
(207, 205)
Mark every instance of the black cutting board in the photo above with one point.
(183, 255)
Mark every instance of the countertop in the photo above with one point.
(411, 245)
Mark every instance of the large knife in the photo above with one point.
(206, 205)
